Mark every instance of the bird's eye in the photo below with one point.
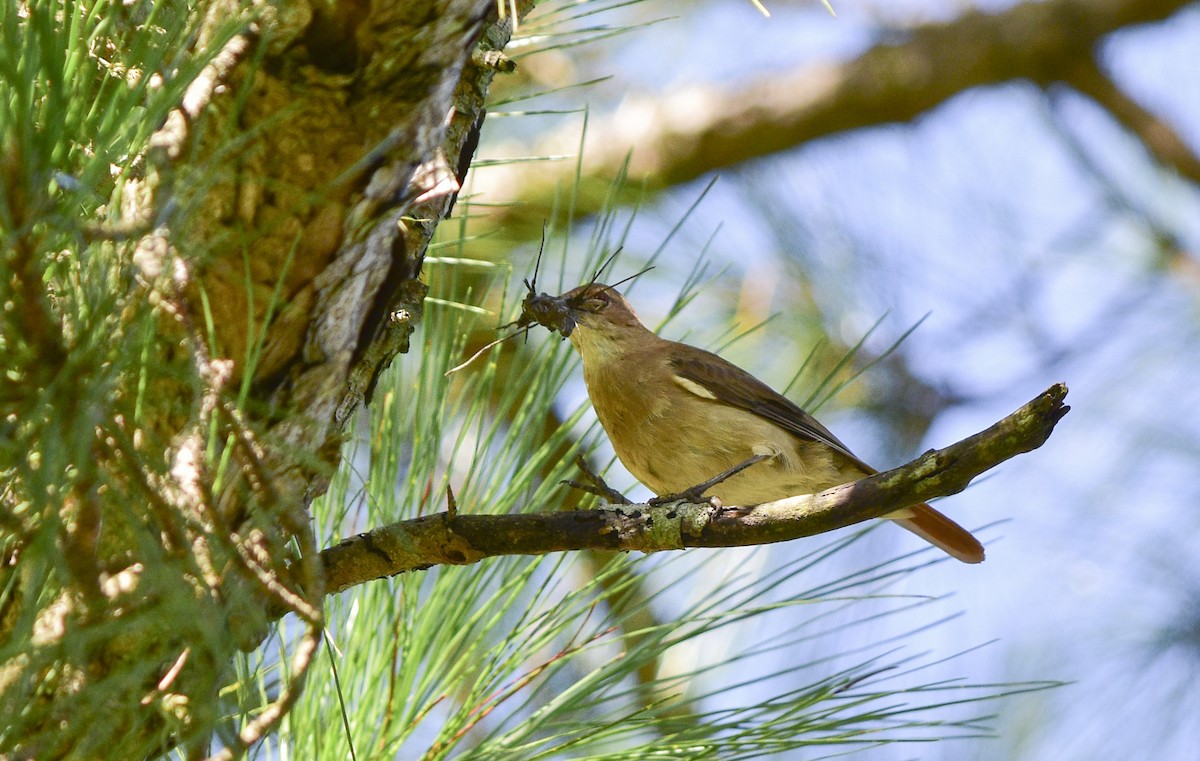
(595, 303)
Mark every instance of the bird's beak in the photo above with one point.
(552, 312)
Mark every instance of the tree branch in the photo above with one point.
(440, 539)
(674, 138)
(1161, 139)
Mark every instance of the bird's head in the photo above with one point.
(590, 315)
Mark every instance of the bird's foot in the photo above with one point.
(696, 493)
(596, 485)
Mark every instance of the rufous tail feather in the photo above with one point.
(940, 531)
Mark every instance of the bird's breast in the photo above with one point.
(671, 440)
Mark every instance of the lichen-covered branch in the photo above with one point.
(446, 539)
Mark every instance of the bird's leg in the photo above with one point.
(596, 485)
(696, 493)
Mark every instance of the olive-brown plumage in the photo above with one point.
(678, 416)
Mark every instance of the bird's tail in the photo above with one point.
(940, 531)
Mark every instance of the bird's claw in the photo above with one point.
(694, 495)
(596, 485)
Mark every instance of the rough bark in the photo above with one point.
(368, 116)
(365, 116)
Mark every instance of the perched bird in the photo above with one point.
(679, 416)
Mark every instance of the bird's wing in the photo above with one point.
(727, 383)
(710, 377)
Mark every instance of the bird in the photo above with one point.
(686, 422)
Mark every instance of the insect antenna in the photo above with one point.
(604, 266)
(537, 265)
(635, 275)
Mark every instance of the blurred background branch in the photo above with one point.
(675, 137)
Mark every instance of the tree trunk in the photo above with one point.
(277, 234)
